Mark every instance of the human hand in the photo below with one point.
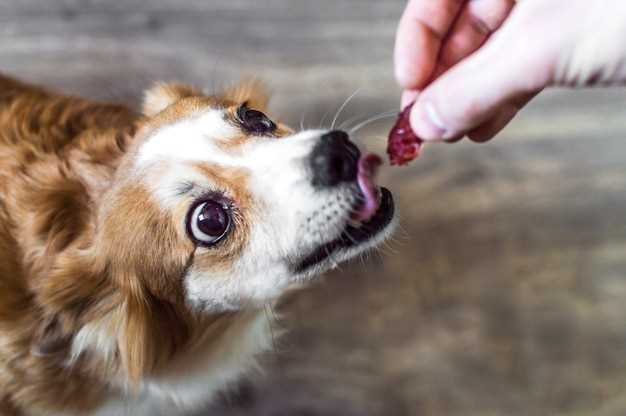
(478, 62)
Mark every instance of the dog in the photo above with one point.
(139, 249)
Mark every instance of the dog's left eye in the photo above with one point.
(208, 222)
(255, 121)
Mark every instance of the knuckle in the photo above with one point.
(485, 17)
(480, 25)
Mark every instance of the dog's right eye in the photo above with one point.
(208, 222)
(255, 121)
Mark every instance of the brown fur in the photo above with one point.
(48, 156)
(65, 256)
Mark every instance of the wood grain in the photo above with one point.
(504, 291)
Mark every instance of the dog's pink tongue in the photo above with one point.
(368, 166)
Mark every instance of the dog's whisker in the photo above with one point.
(347, 234)
(302, 118)
(331, 257)
(345, 103)
(378, 253)
(363, 116)
(362, 124)
(347, 122)
(329, 254)
(323, 119)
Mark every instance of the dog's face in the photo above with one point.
(239, 206)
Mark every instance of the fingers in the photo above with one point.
(422, 28)
(488, 130)
(476, 22)
(473, 91)
(491, 128)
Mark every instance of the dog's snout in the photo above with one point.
(334, 159)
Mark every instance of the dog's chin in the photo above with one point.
(352, 240)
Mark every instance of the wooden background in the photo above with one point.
(504, 291)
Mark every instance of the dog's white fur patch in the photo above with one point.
(190, 139)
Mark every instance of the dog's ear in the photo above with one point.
(162, 95)
(150, 332)
(251, 91)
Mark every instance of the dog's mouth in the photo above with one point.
(370, 194)
(371, 215)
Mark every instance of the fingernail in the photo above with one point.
(427, 123)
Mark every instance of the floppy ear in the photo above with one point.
(251, 91)
(149, 334)
(162, 95)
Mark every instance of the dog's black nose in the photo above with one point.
(334, 159)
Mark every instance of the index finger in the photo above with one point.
(421, 31)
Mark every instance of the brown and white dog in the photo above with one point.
(137, 251)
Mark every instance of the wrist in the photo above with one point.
(598, 55)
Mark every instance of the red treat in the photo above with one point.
(403, 145)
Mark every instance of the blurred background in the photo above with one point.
(503, 293)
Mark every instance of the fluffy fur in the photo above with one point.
(106, 305)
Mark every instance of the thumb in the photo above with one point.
(472, 92)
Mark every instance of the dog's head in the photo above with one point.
(240, 205)
(214, 208)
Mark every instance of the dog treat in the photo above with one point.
(403, 145)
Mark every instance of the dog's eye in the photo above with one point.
(255, 121)
(208, 222)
